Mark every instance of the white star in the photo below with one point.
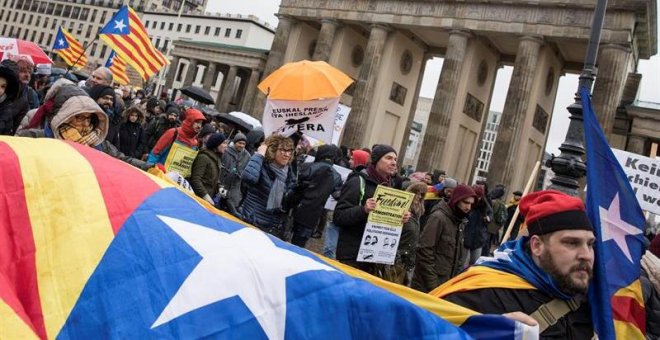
(61, 42)
(245, 263)
(614, 228)
(119, 25)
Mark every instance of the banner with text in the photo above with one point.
(340, 122)
(644, 176)
(382, 233)
(315, 118)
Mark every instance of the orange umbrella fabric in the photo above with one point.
(305, 80)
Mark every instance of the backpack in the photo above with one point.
(499, 217)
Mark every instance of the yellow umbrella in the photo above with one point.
(305, 80)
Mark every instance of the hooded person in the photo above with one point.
(131, 133)
(356, 201)
(359, 159)
(545, 275)
(253, 140)
(440, 254)
(316, 181)
(9, 89)
(235, 159)
(206, 168)
(177, 147)
(205, 134)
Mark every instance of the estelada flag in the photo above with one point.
(90, 246)
(69, 49)
(617, 304)
(117, 66)
(128, 37)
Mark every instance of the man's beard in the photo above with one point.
(565, 282)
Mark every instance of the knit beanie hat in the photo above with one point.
(215, 140)
(460, 193)
(655, 246)
(99, 91)
(548, 211)
(207, 129)
(240, 137)
(449, 183)
(360, 158)
(379, 151)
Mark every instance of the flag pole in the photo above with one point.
(162, 73)
(528, 187)
(68, 69)
(569, 167)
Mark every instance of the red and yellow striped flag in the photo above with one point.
(128, 37)
(117, 66)
(69, 49)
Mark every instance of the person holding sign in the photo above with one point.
(177, 147)
(356, 202)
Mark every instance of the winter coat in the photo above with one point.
(575, 325)
(440, 255)
(475, 233)
(205, 173)
(132, 139)
(350, 216)
(185, 134)
(511, 209)
(260, 178)
(316, 181)
(11, 112)
(253, 139)
(112, 151)
(234, 162)
(156, 128)
(407, 250)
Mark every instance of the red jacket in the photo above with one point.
(186, 135)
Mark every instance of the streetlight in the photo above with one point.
(569, 166)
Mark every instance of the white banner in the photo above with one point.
(644, 176)
(314, 118)
(340, 122)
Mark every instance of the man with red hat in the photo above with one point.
(440, 254)
(544, 275)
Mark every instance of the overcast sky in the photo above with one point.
(650, 69)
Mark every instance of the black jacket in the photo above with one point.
(350, 216)
(316, 181)
(574, 325)
(132, 139)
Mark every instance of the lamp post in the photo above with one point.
(569, 167)
(168, 53)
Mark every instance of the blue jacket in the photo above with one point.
(259, 179)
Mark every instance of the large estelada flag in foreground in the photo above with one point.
(128, 37)
(617, 305)
(117, 66)
(90, 246)
(69, 49)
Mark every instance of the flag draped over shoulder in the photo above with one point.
(69, 49)
(117, 66)
(128, 37)
(615, 295)
(90, 245)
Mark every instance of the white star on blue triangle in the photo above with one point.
(118, 23)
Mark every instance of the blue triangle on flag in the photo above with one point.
(60, 40)
(118, 24)
(110, 60)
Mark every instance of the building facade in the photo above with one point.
(385, 44)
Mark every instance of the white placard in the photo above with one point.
(314, 118)
(644, 176)
(340, 122)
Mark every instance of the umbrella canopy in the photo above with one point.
(198, 94)
(247, 118)
(235, 122)
(305, 80)
(10, 47)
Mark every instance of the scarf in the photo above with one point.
(651, 265)
(278, 188)
(42, 113)
(373, 173)
(86, 137)
(512, 258)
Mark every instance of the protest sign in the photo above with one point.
(340, 122)
(314, 118)
(644, 176)
(180, 159)
(382, 233)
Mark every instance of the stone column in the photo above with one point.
(403, 148)
(171, 72)
(209, 76)
(365, 87)
(191, 72)
(610, 81)
(505, 150)
(325, 39)
(251, 91)
(636, 144)
(275, 58)
(442, 108)
(227, 89)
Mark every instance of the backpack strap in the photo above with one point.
(550, 312)
(361, 189)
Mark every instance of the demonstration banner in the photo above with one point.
(384, 225)
(644, 176)
(314, 118)
(340, 122)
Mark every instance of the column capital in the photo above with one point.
(464, 32)
(382, 26)
(534, 38)
(330, 21)
(622, 47)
